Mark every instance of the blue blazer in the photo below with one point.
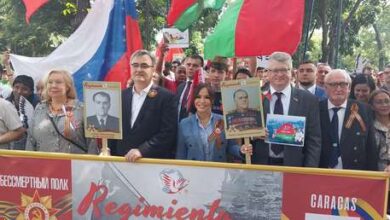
(189, 145)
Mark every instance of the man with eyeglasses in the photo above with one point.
(347, 129)
(322, 70)
(149, 114)
(386, 78)
(284, 99)
(306, 76)
(193, 64)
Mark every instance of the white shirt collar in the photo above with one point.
(145, 90)
(330, 105)
(286, 91)
(311, 89)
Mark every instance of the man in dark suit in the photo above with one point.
(284, 99)
(193, 64)
(102, 121)
(149, 114)
(347, 130)
(307, 79)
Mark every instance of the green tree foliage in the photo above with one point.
(47, 27)
(356, 16)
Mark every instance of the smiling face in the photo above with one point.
(202, 101)
(56, 86)
(362, 92)
(279, 74)
(381, 104)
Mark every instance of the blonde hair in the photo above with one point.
(71, 90)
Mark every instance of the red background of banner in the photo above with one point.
(297, 189)
(36, 168)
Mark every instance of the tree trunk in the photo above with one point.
(323, 5)
(82, 11)
(381, 49)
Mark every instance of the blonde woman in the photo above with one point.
(57, 124)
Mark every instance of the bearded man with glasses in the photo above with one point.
(347, 129)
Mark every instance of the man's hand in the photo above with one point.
(133, 155)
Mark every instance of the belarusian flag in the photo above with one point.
(257, 27)
(185, 12)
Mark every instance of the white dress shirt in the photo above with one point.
(340, 115)
(137, 102)
(285, 99)
(99, 118)
(286, 95)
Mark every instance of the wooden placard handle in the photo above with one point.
(247, 155)
(105, 152)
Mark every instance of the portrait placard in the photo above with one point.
(286, 130)
(103, 110)
(243, 109)
(175, 38)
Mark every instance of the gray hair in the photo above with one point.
(338, 71)
(281, 57)
(140, 53)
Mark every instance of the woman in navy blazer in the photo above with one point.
(201, 136)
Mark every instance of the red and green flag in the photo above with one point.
(257, 27)
(183, 13)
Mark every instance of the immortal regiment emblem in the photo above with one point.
(36, 208)
(172, 181)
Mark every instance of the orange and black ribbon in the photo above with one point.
(355, 115)
(216, 134)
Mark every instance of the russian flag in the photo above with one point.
(99, 50)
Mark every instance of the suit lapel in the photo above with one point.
(343, 129)
(128, 100)
(294, 102)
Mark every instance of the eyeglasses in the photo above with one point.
(334, 85)
(382, 102)
(281, 70)
(141, 65)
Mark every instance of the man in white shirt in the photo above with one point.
(306, 75)
(149, 114)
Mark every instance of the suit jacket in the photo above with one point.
(358, 149)
(154, 130)
(112, 123)
(320, 93)
(302, 103)
(181, 113)
(190, 147)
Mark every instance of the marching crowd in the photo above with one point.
(168, 112)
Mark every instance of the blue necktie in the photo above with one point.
(334, 137)
(278, 109)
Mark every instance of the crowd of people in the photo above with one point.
(170, 112)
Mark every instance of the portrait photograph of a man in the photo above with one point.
(102, 108)
(242, 108)
(102, 121)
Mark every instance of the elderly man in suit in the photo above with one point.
(284, 99)
(307, 79)
(102, 121)
(149, 114)
(347, 132)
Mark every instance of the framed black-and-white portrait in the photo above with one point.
(103, 110)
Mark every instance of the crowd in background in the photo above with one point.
(169, 110)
